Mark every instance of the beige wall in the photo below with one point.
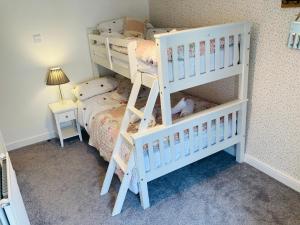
(273, 133)
(24, 97)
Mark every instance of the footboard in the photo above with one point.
(197, 56)
(164, 149)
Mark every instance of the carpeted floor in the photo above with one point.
(61, 187)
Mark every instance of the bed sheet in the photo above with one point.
(105, 128)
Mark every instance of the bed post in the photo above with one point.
(132, 59)
(95, 68)
(243, 92)
(140, 167)
(164, 92)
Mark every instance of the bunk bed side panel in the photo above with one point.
(211, 53)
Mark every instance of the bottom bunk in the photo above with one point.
(161, 147)
(191, 139)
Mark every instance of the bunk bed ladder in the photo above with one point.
(124, 137)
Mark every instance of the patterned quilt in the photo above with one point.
(104, 129)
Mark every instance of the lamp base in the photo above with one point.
(61, 96)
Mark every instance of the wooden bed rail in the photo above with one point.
(222, 128)
(194, 57)
(103, 54)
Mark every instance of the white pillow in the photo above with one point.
(94, 87)
(111, 26)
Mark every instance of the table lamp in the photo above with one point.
(56, 76)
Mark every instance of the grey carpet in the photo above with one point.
(61, 187)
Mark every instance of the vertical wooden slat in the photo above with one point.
(207, 55)
(209, 136)
(187, 70)
(172, 147)
(151, 156)
(226, 128)
(236, 50)
(162, 152)
(238, 126)
(233, 123)
(191, 139)
(175, 63)
(217, 54)
(197, 58)
(226, 49)
(218, 130)
(198, 138)
(181, 144)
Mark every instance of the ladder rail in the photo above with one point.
(125, 137)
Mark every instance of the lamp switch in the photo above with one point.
(37, 38)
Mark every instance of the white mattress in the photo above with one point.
(87, 109)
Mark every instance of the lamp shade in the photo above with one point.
(56, 76)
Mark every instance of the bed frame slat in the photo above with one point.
(234, 123)
(207, 55)
(236, 49)
(187, 72)
(162, 152)
(218, 130)
(151, 156)
(226, 50)
(175, 63)
(181, 144)
(226, 127)
(217, 53)
(197, 58)
(209, 133)
(172, 147)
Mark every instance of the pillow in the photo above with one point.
(134, 28)
(111, 26)
(94, 87)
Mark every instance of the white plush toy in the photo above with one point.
(134, 118)
(185, 107)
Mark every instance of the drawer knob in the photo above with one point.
(66, 116)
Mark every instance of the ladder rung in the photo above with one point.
(137, 112)
(127, 138)
(120, 162)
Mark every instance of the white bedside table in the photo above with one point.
(66, 112)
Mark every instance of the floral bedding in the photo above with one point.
(104, 129)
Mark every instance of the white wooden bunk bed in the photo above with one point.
(184, 134)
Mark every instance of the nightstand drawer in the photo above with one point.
(67, 116)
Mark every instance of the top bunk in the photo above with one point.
(179, 59)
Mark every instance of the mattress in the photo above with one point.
(105, 125)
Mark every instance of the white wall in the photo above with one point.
(273, 132)
(24, 97)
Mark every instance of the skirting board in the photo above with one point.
(272, 172)
(30, 140)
